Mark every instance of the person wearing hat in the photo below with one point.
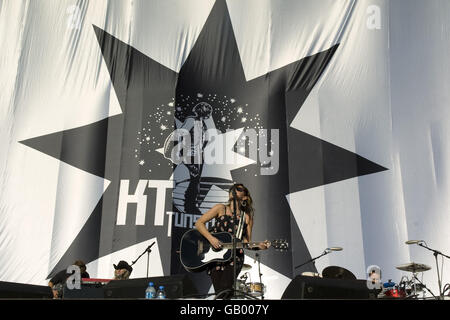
(59, 280)
(122, 270)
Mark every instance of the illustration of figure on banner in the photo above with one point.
(195, 131)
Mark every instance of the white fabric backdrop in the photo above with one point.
(384, 96)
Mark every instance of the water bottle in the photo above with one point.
(161, 294)
(150, 292)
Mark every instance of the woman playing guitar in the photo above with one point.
(222, 273)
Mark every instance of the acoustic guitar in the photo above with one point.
(196, 253)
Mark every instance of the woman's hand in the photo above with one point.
(264, 245)
(215, 242)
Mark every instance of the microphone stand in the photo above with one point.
(234, 246)
(234, 242)
(312, 260)
(260, 274)
(436, 253)
(148, 256)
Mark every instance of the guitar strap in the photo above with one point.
(240, 228)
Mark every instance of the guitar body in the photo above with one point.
(196, 253)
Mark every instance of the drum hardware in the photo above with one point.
(387, 286)
(242, 282)
(242, 285)
(256, 289)
(246, 267)
(411, 288)
(251, 289)
(395, 293)
(420, 286)
(423, 244)
(414, 267)
(446, 288)
(406, 288)
(245, 276)
(391, 289)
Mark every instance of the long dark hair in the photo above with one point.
(249, 208)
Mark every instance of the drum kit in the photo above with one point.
(406, 288)
(253, 289)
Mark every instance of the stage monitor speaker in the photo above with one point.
(175, 286)
(11, 290)
(85, 292)
(303, 287)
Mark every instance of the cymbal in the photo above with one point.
(246, 267)
(335, 272)
(311, 274)
(413, 267)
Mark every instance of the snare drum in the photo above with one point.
(241, 285)
(256, 289)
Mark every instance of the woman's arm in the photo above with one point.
(249, 230)
(200, 225)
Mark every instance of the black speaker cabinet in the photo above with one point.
(85, 292)
(175, 286)
(302, 287)
(11, 290)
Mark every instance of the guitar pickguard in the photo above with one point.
(212, 255)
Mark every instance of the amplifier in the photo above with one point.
(12, 290)
(304, 287)
(85, 292)
(175, 286)
(90, 289)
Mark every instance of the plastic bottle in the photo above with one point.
(150, 292)
(161, 294)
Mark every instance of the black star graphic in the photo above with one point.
(108, 147)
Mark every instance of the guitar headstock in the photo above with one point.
(279, 244)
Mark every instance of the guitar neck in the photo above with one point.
(240, 245)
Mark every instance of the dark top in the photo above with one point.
(61, 277)
(224, 224)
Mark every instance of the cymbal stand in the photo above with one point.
(417, 279)
(414, 283)
(258, 259)
(436, 253)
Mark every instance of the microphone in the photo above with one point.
(148, 248)
(414, 241)
(243, 205)
(334, 249)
